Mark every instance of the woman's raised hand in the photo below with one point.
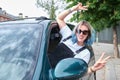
(79, 6)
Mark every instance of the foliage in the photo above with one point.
(101, 13)
(51, 6)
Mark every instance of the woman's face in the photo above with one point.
(82, 33)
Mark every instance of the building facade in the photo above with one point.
(107, 35)
(4, 16)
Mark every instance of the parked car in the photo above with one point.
(24, 48)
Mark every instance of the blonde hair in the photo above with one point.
(85, 23)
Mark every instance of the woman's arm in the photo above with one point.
(62, 15)
(100, 63)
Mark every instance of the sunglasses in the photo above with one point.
(84, 32)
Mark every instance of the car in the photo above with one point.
(24, 48)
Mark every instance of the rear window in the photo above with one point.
(18, 50)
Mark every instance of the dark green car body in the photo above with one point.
(24, 48)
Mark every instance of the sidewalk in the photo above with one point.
(112, 69)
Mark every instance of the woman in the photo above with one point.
(73, 42)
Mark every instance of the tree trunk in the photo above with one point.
(115, 42)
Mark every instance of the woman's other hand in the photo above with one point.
(100, 63)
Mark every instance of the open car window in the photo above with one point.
(55, 37)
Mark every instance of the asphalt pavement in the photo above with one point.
(112, 69)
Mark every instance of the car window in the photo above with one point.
(54, 39)
(18, 46)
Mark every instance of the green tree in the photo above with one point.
(51, 6)
(101, 14)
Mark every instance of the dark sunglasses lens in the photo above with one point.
(85, 32)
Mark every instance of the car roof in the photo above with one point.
(26, 20)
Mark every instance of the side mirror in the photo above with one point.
(70, 68)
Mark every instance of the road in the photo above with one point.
(112, 69)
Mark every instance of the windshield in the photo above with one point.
(18, 51)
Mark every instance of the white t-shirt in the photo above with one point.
(84, 54)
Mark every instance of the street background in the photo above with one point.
(112, 69)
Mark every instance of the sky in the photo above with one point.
(27, 7)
